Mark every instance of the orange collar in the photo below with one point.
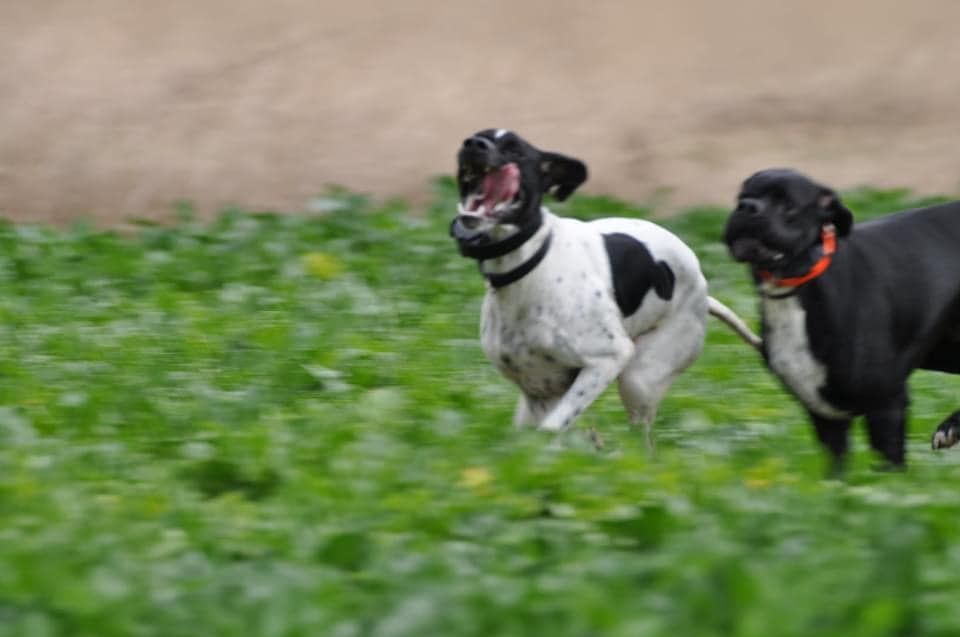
(828, 235)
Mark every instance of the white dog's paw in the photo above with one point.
(549, 428)
(552, 425)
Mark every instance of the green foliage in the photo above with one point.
(280, 425)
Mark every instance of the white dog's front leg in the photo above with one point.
(521, 415)
(590, 383)
(531, 411)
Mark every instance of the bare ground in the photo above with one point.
(111, 108)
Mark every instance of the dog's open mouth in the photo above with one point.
(750, 250)
(497, 192)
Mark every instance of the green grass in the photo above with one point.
(275, 425)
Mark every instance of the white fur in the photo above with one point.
(563, 316)
(788, 350)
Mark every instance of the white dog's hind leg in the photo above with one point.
(641, 394)
(660, 356)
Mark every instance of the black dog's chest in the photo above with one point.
(790, 357)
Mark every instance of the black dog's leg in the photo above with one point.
(834, 435)
(887, 431)
(948, 433)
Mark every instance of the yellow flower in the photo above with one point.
(757, 482)
(474, 477)
(764, 474)
(322, 265)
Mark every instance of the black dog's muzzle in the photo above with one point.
(744, 236)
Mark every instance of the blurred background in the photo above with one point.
(111, 108)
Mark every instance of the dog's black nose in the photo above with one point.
(477, 143)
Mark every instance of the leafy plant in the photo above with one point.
(283, 425)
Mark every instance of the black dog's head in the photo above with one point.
(779, 216)
(503, 178)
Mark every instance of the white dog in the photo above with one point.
(571, 306)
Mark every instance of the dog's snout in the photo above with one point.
(477, 143)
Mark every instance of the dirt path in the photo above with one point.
(111, 108)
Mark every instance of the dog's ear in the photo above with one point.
(561, 174)
(833, 211)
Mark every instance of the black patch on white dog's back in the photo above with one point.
(634, 272)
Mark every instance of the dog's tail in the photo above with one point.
(728, 316)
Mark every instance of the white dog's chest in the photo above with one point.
(790, 358)
(527, 353)
(563, 316)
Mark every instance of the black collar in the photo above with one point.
(484, 251)
(499, 280)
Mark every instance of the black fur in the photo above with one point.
(634, 272)
(542, 172)
(888, 304)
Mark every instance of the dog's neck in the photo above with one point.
(522, 253)
(499, 240)
(807, 266)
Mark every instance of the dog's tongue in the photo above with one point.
(500, 185)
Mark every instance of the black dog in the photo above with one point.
(849, 312)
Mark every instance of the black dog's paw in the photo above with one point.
(948, 433)
(885, 466)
